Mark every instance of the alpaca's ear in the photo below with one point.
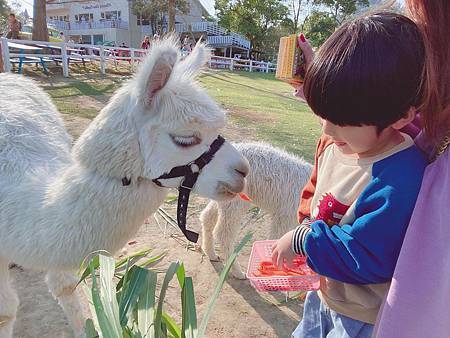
(197, 59)
(160, 74)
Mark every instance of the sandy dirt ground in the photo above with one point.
(239, 312)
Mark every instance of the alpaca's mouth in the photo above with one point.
(230, 191)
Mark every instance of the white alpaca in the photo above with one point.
(58, 205)
(274, 184)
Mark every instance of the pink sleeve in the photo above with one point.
(414, 128)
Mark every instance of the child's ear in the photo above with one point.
(404, 121)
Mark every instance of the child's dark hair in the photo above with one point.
(368, 72)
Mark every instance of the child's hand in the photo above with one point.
(282, 251)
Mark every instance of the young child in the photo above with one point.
(364, 84)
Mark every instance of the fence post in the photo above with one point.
(102, 60)
(65, 61)
(251, 66)
(267, 67)
(5, 55)
(231, 64)
(132, 58)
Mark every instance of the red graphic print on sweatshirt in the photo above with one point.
(331, 210)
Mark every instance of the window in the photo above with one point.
(98, 39)
(110, 15)
(143, 22)
(86, 39)
(86, 17)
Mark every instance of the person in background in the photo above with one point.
(14, 27)
(145, 43)
(418, 301)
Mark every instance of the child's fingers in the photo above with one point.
(274, 257)
(306, 48)
(279, 263)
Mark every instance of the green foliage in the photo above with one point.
(4, 12)
(129, 309)
(155, 10)
(252, 18)
(318, 27)
(340, 10)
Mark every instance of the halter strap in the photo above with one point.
(190, 172)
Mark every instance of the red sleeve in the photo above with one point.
(304, 209)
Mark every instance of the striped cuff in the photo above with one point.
(299, 238)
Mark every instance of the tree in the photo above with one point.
(156, 11)
(40, 31)
(340, 10)
(251, 18)
(4, 12)
(296, 8)
(318, 27)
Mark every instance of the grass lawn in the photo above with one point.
(262, 101)
(251, 99)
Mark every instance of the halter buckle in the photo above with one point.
(183, 186)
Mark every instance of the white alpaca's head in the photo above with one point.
(162, 119)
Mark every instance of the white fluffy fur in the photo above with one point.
(57, 204)
(274, 184)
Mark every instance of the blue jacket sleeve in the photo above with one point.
(366, 251)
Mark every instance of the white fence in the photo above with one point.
(62, 54)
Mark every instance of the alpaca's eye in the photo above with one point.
(186, 141)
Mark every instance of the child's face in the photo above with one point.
(362, 141)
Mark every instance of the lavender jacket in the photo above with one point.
(418, 302)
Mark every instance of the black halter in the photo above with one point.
(190, 173)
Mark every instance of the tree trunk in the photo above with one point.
(40, 31)
(171, 13)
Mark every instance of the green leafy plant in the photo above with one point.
(130, 307)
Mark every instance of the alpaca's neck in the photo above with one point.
(99, 211)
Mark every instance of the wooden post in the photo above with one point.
(1, 59)
(102, 60)
(5, 55)
(267, 67)
(132, 58)
(251, 65)
(65, 61)
(231, 64)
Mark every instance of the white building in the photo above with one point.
(113, 21)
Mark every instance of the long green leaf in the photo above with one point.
(223, 276)
(89, 329)
(152, 260)
(181, 275)
(171, 325)
(92, 263)
(108, 294)
(159, 328)
(133, 256)
(106, 323)
(131, 292)
(189, 312)
(146, 305)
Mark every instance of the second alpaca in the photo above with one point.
(274, 184)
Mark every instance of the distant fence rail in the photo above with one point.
(23, 52)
